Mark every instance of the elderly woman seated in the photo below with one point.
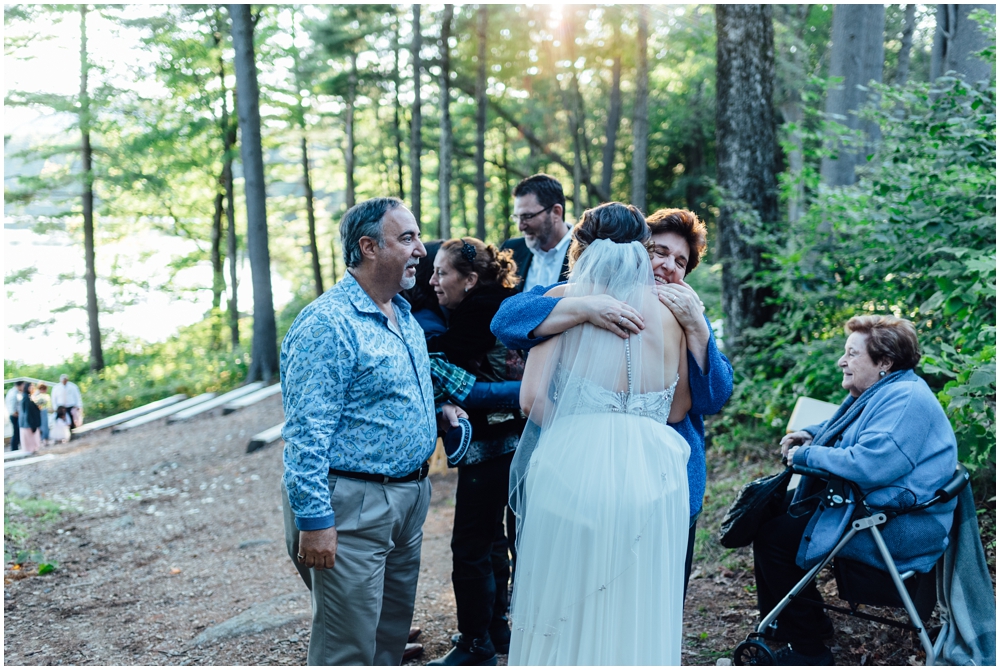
(892, 438)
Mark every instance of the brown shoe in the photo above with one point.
(411, 651)
(414, 634)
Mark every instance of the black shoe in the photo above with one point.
(788, 656)
(500, 635)
(478, 652)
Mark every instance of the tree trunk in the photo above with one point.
(352, 91)
(745, 148)
(573, 112)
(640, 116)
(444, 154)
(311, 216)
(614, 114)
(903, 64)
(86, 156)
(228, 142)
(416, 121)
(506, 189)
(957, 41)
(218, 270)
(397, 133)
(480, 93)
(791, 110)
(857, 56)
(264, 350)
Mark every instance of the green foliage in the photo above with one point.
(914, 237)
(137, 373)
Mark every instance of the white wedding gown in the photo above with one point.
(603, 515)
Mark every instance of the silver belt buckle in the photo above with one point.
(385, 479)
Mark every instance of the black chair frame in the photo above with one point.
(755, 650)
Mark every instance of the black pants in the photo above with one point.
(480, 564)
(774, 551)
(15, 438)
(689, 555)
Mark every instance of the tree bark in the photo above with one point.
(416, 121)
(857, 56)
(481, 103)
(397, 133)
(228, 142)
(218, 274)
(352, 91)
(745, 147)
(903, 64)
(640, 116)
(957, 41)
(311, 216)
(569, 99)
(264, 350)
(791, 110)
(614, 113)
(86, 157)
(445, 143)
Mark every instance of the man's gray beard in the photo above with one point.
(407, 282)
(532, 242)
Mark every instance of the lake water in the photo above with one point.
(155, 315)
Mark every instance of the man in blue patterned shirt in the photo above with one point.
(359, 428)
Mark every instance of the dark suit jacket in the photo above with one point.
(523, 257)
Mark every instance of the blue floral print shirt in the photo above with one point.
(357, 397)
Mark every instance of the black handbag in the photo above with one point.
(757, 502)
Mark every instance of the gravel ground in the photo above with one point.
(171, 552)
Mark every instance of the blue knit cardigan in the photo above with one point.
(901, 440)
(710, 388)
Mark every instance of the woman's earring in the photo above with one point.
(881, 373)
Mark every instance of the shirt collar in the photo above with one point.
(559, 249)
(364, 303)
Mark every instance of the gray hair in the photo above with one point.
(365, 219)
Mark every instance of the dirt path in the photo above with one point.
(170, 552)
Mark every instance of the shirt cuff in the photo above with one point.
(314, 522)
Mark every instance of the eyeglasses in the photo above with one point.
(522, 218)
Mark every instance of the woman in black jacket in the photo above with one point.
(30, 421)
(470, 280)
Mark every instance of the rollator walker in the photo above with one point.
(913, 591)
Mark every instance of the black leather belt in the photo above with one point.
(415, 476)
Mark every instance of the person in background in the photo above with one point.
(539, 211)
(470, 280)
(13, 402)
(30, 420)
(60, 426)
(44, 402)
(67, 394)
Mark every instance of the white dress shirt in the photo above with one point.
(13, 401)
(66, 395)
(545, 265)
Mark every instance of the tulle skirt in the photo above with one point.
(601, 546)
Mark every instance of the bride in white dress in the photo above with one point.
(600, 491)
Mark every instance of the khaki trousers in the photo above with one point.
(363, 607)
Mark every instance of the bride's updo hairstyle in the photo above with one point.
(468, 255)
(613, 221)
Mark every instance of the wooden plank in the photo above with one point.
(191, 412)
(162, 413)
(128, 415)
(28, 461)
(264, 438)
(251, 398)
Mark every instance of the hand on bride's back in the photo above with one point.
(613, 315)
(683, 303)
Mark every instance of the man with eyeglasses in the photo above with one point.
(539, 207)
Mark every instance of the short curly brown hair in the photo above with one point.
(685, 223)
(888, 339)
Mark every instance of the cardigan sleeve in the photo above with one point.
(522, 313)
(878, 455)
(710, 388)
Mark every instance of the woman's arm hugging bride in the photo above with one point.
(599, 480)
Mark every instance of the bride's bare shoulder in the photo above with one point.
(556, 291)
(667, 317)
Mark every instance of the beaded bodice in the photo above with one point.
(577, 395)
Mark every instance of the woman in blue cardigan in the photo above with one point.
(889, 436)
(678, 241)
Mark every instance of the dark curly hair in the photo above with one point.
(489, 263)
(685, 223)
(613, 221)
